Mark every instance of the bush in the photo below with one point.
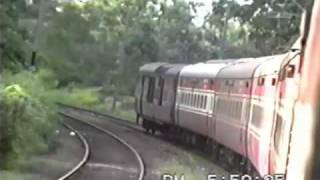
(28, 115)
(26, 125)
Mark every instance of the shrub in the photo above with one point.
(28, 115)
(26, 125)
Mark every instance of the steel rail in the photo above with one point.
(84, 158)
(122, 141)
(122, 121)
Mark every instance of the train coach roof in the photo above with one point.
(243, 69)
(175, 70)
(201, 70)
(219, 61)
(271, 66)
(151, 68)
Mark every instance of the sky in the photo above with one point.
(204, 10)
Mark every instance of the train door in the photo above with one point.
(161, 107)
(211, 114)
(179, 98)
(138, 96)
(287, 93)
(148, 97)
(158, 91)
(207, 98)
(245, 112)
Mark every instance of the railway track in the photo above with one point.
(117, 120)
(85, 156)
(111, 157)
(157, 151)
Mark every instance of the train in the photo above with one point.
(240, 109)
(257, 114)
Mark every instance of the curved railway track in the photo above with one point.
(158, 152)
(120, 163)
(85, 156)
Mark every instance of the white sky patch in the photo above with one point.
(206, 8)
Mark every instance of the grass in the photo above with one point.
(189, 164)
(174, 167)
(6, 175)
(124, 108)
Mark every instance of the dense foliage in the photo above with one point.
(107, 41)
(81, 52)
(25, 125)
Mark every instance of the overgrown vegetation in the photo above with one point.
(87, 53)
(26, 125)
(28, 113)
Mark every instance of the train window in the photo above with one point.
(274, 81)
(193, 99)
(247, 84)
(257, 114)
(236, 111)
(232, 108)
(278, 132)
(223, 106)
(282, 75)
(161, 85)
(160, 82)
(186, 99)
(240, 109)
(168, 94)
(181, 97)
(290, 71)
(151, 89)
(261, 81)
(202, 102)
(212, 84)
(145, 87)
(196, 101)
(137, 91)
(189, 99)
(231, 83)
(205, 102)
(235, 106)
(212, 103)
(218, 105)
